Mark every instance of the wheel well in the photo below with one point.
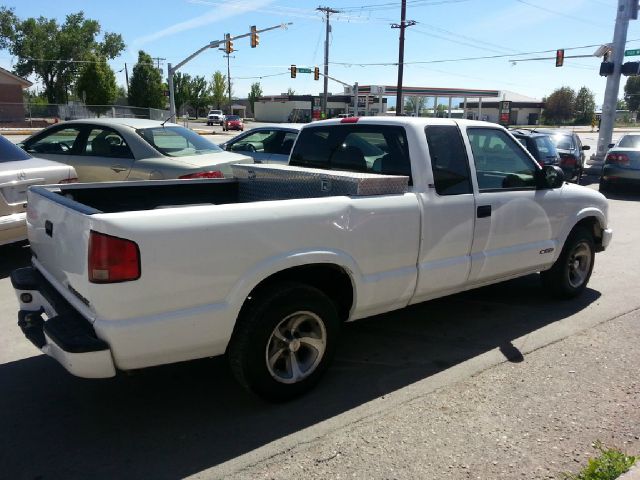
(330, 279)
(592, 225)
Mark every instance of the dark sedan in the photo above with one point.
(570, 149)
(539, 145)
(622, 164)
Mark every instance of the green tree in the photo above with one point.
(121, 96)
(621, 104)
(632, 93)
(558, 107)
(181, 90)
(414, 104)
(584, 106)
(198, 93)
(96, 84)
(218, 89)
(441, 110)
(51, 51)
(146, 87)
(254, 94)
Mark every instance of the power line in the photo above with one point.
(562, 14)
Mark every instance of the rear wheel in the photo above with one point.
(284, 341)
(572, 270)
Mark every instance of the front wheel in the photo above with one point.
(284, 340)
(570, 274)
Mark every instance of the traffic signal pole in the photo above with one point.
(171, 70)
(627, 9)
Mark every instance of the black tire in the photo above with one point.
(570, 274)
(259, 358)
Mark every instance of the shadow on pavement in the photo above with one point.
(13, 256)
(173, 421)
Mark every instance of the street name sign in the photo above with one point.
(631, 53)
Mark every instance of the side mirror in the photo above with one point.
(587, 147)
(550, 177)
(611, 145)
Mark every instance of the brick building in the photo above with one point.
(11, 100)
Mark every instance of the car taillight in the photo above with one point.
(112, 259)
(211, 174)
(69, 180)
(617, 159)
(350, 120)
(568, 160)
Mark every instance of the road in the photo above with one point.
(367, 418)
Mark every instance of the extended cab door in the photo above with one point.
(516, 224)
(448, 208)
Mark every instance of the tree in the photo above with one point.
(218, 88)
(632, 93)
(414, 104)
(145, 86)
(621, 104)
(559, 105)
(584, 106)
(181, 90)
(198, 93)
(121, 96)
(51, 51)
(96, 84)
(254, 94)
(441, 110)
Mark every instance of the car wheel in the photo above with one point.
(569, 275)
(284, 340)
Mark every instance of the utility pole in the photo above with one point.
(627, 9)
(158, 59)
(402, 25)
(126, 76)
(227, 56)
(327, 11)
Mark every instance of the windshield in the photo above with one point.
(546, 146)
(233, 117)
(177, 141)
(10, 153)
(563, 142)
(630, 141)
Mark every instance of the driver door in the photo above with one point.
(59, 144)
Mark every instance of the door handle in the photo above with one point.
(118, 168)
(484, 211)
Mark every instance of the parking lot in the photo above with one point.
(193, 419)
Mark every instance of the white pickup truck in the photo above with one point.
(131, 275)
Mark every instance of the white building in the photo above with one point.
(523, 110)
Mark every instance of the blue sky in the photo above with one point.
(445, 30)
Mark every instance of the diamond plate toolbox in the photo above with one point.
(281, 182)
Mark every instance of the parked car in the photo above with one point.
(539, 145)
(222, 268)
(265, 144)
(233, 122)
(622, 163)
(215, 117)
(571, 150)
(132, 149)
(18, 171)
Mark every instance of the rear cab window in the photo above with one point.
(360, 148)
(449, 161)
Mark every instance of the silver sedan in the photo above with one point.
(19, 170)
(622, 164)
(114, 149)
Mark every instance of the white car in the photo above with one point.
(215, 117)
(19, 170)
(112, 149)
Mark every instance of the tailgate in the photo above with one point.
(58, 230)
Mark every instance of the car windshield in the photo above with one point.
(233, 117)
(546, 146)
(11, 153)
(177, 141)
(630, 141)
(563, 142)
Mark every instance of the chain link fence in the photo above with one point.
(36, 114)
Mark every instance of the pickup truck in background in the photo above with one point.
(131, 275)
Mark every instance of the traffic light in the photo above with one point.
(630, 69)
(255, 38)
(294, 70)
(559, 57)
(606, 69)
(228, 44)
(316, 73)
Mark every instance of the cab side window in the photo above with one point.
(60, 141)
(449, 162)
(103, 142)
(500, 162)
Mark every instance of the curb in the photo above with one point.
(632, 474)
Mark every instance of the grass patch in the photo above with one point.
(609, 465)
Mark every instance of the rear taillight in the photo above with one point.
(350, 120)
(567, 160)
(112, 259)
(69, 180)
(617, 159)
(211, 174)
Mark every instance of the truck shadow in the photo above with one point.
(174, 421)
(13, 256)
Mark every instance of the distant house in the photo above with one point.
(11, 100)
